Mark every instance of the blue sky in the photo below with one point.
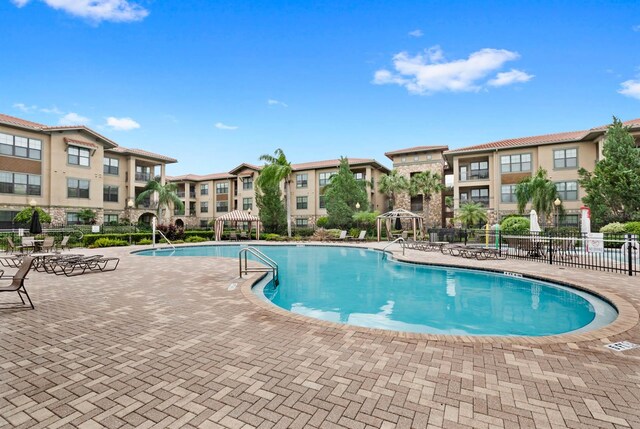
(218, 83)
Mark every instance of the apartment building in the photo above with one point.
(488, 173)
(413, 160)
(65, 169)
(209, 196)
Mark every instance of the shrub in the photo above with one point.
(354, 232)
(108, 242)
(613, 228)
(272, 237)
(304, 232)
(321, 234)
(632, 228)
(89, 239)
(515, 225)
(195, 239)
(322, 222)
(171, 231)
(144, 241)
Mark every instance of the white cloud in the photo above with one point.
(72, 118)
(53, 110)
(630, 88)
(122, 124)
(221, 126)
(24, 107)
(272, 102)
(97, 10)
(416, 33)
(429, 72)
(510, 77)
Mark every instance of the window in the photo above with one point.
(479, 170)
(301, 180)
(110, 219)
(464, 197)
(22, 147)
(515, 163)
(19, 183)
(222, 206)
(143, 174)
(73, 219)
(359, 176)
(204, 189)
(416, 203)
(222, 188)
(301, 203)
(565, 158)
(567, 191)
(78, 156)
(247, 203)
(247, 183)
(325, 178)
(508, 194)
(6, 218)
(77, 188)
(463, 173)
(204, 223)
(480, 196)
(302, 223)
(110, 193)
(204, 206)
(569, 220)
(111, 166)
(321, 202)
(416, 158)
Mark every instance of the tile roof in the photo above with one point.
(415, 149)
(11, 120)
(334, 163)
(569, 136)
(199, 178)
(143, 153)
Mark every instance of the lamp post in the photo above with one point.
(557, 204)
(33, 203)
(130, 205)
(357, 206)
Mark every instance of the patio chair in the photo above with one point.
(12, 261)
(11, 247)
(27, 245)
(17, 281)
(48, 244)
(64, 243)
(243, 236)
(342, 236)
(361, 237)
(233, 236)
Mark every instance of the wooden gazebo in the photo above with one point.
(234, 217)
(390, 217)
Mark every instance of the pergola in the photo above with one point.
(389, 217)
(235, 217)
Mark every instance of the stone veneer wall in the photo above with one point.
(403, 201)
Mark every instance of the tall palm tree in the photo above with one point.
(278, 168)
(426, 183)
(166, 195)
(540, 191)
(472, 214)
(393, 184)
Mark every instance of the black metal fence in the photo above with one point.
(618, 253)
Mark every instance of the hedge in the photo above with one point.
(89, 239)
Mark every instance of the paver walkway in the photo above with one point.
(168, 343)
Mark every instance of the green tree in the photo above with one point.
(278, 169)
(273, 215)
(392, 185)
(87, 216)
(342, 194)
(472, 214)
(613, 188)
(24, 216)
(540, 191)
(426, 183)
(166, 196)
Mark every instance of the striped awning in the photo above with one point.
(237, 216)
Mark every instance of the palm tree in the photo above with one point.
(392, 184)
(472, 214)
(540, 191)
(277, 170)
(426, 183)
(166, 194)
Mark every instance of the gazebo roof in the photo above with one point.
(239, 215)
(399, 213)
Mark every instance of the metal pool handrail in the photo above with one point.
(394, 242)
(271, 264)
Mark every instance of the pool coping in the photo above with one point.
(628, 316)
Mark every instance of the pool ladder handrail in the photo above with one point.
(166, 239)
(394, 242)
(271, 265)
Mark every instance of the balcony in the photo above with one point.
(143, 177)
(178, 212)
(180, 194)
(192, 194)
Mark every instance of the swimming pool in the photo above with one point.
(362, 287)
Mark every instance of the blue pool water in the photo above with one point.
(362, 287)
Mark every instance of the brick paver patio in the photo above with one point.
(177, 342)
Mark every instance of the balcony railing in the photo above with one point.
(143, 177)
(475, 175)
(192, 194)
(180, 194)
